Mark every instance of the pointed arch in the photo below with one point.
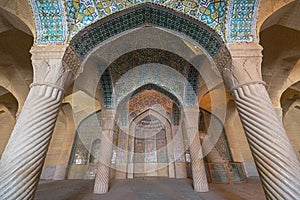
(141, 15)
(122, 107)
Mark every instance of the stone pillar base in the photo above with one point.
(120, 175)
(201, 187)
(180, 170)
(100, 188)
(130, 171)
(171, 170)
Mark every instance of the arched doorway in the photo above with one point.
(151, 137)
(148, 44)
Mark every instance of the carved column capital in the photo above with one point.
(245, 66)
(50, 68)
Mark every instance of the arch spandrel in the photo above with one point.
(58, 22)
(241, 20)
(83, 13)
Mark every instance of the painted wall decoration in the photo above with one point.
(158, 89)
(159, 98)
(150, 140)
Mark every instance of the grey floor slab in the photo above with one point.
(149, 189)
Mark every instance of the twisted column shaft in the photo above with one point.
(276, 161)
(23, 158)
(198, 168)
(103, 171)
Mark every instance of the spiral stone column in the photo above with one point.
(103, 171)
(276, 161)
(198, 168)
(25, 152)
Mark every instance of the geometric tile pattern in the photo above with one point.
(79, 153)
(147, 99)
(85, 41)
(128, 61)
(107, 89)
(58, 21)
(157, 74)
(148, 55)
(158, 89)
(176, 115)
(193, 79)
(135, 105)
(241, 20)
(50, 21)
(85, 12)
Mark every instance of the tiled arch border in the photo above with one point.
(145, 14)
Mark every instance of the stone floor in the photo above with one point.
(150, 188)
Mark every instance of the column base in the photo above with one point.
(130, 171)
(180, 169)
(100, 188)
(120, 175)
(201, 187)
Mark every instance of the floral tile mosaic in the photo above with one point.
(50, 20)
(85, 41)
(83, 13)
(58, 21)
